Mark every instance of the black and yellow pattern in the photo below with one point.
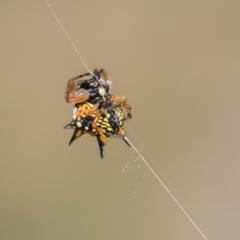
(100, 124)
(96, 111)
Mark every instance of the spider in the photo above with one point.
(108, 124)
(96, 111)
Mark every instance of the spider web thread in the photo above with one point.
(125, 137)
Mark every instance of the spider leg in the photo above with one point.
(122, 102)
(98, 115)
(98, 77)
(79, 76)
(74, 96)
(128, 109)
(93, 110)
(107, 79)
(85, 109)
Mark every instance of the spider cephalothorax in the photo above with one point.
(96, 111)
(95, 91)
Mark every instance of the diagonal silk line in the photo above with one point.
(70, 40)
(166, 188)
(135, 149)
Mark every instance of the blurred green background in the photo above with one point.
(178, 64)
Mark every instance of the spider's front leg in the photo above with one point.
(72, 94)
(121, 101)
(107, 79)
